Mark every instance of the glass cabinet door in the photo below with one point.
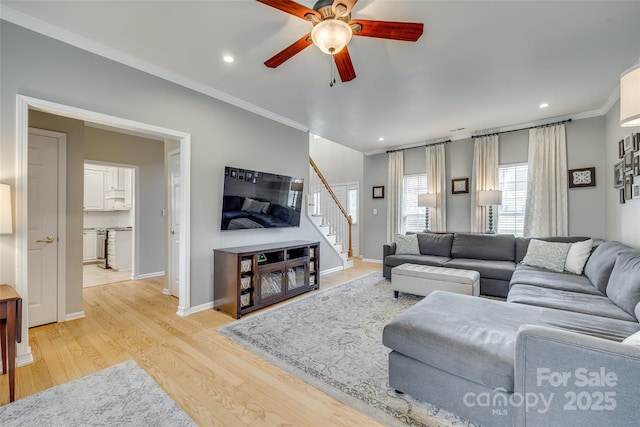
(271, 283)
(297, 276)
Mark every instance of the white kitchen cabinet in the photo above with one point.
(128, 188)
(119, 251)
(115, 178)
(89, 245)
(94, 189)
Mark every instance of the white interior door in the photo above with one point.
(174, 223)
(42, 258)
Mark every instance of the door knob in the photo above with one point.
(48, 239)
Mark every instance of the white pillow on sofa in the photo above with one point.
(407, 244)
(577, 256)
(632, 339)
(548, 255)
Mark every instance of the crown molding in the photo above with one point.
(18, 18)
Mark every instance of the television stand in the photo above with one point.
(247, 278)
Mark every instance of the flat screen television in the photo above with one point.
(254, 199)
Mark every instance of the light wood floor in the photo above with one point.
(217, 382)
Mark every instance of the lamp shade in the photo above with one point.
(490, 198)
(427, 200)
(6, 221)
(630, 97)
(331, 35)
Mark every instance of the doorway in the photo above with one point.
(25, 103)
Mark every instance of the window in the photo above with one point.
(513, 183)
(412, 215)
(352, 204)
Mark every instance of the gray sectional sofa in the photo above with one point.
(551, 354)
(494, 256)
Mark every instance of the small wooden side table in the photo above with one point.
(10, 332)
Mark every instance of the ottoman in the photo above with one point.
(424, 279)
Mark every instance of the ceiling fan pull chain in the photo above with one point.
(332, 74)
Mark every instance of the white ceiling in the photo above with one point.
(479, 65)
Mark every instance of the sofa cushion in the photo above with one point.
(549, 255)
(488, 269)
(522, 243)
(435, 244)
(577, 256)
(596, 305)
(407, 244)
(478, 342)
(624, 282)
(601, 262)
(526, 275)
(500, 247)
(396, 260)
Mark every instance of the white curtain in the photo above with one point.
(436, 183)
(546, 210)
(394, 201)
(484, 176)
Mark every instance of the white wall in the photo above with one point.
(37, 66)
(623, 221)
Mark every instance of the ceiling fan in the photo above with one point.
(332, 31)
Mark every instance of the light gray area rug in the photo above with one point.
(332, 339)
(121, 395)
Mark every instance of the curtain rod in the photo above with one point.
(530, 127)
(419, 146)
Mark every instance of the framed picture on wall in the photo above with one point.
(636, 164)
(459, 185)
(636, 191)
(636, 141)
(621, 148)
(628, 161)
(628, 143)
(628, 187)
(618, 175)
(585, 177)
(622, 196)
(378, 192)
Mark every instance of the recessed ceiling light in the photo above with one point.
(544, 105)
(381, 138)
(228, 58)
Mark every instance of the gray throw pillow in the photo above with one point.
(548, 255)
(624, 283)
(407, 244)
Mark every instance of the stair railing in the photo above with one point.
(326, 203)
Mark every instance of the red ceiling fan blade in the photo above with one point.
(291, 7)
(284, 55)
(406, 31)
(344, 65)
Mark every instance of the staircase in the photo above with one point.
(328, 215)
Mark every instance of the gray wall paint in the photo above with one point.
(585, 148)
(375, 225)
(621, 220)
(148, 155)
(40, 67)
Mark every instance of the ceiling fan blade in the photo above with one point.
(286, 54)
(406, 31)
(344, 65)
(295, 9)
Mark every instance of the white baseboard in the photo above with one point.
(24, 359)
(73, 316)
(332, 270)
(196, 309)
(374, 261)
(148, 275)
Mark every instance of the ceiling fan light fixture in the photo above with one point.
(331, 35)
